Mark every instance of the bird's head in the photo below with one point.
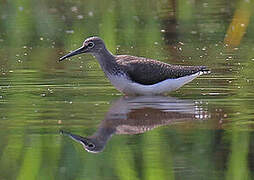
(90, 144)
(90, 45)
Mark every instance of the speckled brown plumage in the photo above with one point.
(148, 71)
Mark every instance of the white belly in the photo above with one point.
(131, 88)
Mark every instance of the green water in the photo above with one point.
(202, 131)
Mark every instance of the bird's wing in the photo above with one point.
(148, 71)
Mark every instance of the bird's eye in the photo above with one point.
(90, 45)
(91, 145)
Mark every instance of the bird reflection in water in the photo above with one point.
(136, 115)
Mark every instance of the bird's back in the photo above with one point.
(148, 71)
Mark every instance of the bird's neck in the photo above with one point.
(107, 61)
(103, 134)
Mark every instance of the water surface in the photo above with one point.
(202, 131)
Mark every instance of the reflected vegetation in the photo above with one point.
(39, 96)
(136, 115)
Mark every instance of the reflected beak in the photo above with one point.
(73, 53)
(76, 138)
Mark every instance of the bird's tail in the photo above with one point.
(204, 70)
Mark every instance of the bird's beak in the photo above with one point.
(75, 52)
(76, 138)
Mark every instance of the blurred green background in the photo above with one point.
(39, 95)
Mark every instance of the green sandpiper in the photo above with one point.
(138, 75)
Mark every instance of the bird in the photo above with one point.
(137, 115)
(133, 75)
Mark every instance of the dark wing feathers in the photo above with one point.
(148, 71)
